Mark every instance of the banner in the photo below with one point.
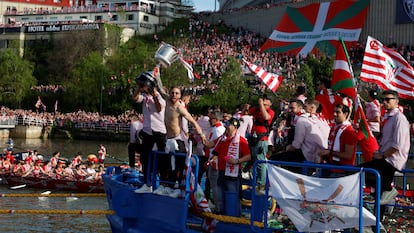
(318, 26)
(318, 204)
(387, 68)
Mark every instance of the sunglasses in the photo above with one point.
(388, 99)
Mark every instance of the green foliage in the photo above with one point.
(232, 92)
(83, 90)
(16, 78)
(313, 70)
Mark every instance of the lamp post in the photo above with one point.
(100, 91)
(101, 83)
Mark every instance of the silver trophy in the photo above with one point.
(166, 55)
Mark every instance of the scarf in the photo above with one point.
(335, 136)
(233, 152)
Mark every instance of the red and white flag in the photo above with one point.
(388, 69)
(272, 81)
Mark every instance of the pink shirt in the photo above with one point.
(396, 134)
(309, 137)
(373, 110)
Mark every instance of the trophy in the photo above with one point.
(166, 55)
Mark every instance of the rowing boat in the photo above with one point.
(79, 186)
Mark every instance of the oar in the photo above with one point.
(18, 186)
(112, 157)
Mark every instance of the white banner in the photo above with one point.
(318, 204)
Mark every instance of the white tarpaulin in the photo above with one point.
(318, 204)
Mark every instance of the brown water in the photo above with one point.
(59, 223)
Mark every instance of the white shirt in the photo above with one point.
(153, 120)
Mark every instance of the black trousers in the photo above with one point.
(386, 171)
(148, 142)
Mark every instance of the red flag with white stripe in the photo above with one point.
(388, 69)
(272, 81)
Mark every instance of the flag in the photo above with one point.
(387, 68)
(189, 69)
(317, 26)
(342, 75)
(367, 142)
(272, 81)
(318, 204)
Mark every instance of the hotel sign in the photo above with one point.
(61, 27)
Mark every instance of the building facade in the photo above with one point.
(144, 16)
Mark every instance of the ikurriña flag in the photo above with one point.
(342, 76)
(272, 81)
(367, 142)
(387, 68)
(316, 27)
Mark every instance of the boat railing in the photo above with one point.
(190, 171)
(258, 197)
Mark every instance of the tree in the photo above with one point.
(16, 78)
(83, 89)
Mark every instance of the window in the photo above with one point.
(146, 18)
(98, 18)
(130, 17)
(115, 18)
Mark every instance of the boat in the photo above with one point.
(78, 186)
(149, 212)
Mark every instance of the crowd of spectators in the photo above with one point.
(208, 52)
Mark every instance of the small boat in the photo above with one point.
(79, 186)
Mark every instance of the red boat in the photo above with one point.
(79, 186)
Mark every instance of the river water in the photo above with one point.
(59, 223)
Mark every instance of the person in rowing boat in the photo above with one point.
(68, 172)
(77, 159)
(17, 168)
(90, 171)
(59, 170)
(80, 174)
(47, 168)
(34, 170)
(55, 159)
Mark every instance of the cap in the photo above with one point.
(146, 79)
(232, 121)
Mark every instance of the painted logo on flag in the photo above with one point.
(317, 27)
(318, 204)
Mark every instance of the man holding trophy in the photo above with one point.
(164, 120)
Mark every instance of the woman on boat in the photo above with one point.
(47, 168)
(99, 173)
(90, 171)
(68, 172)
(55, 159)
(34, 170)
(17, 168)
(7, 165)
(59, 170)
(27, 166)
(80, 174)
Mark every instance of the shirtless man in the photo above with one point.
(176, 138)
